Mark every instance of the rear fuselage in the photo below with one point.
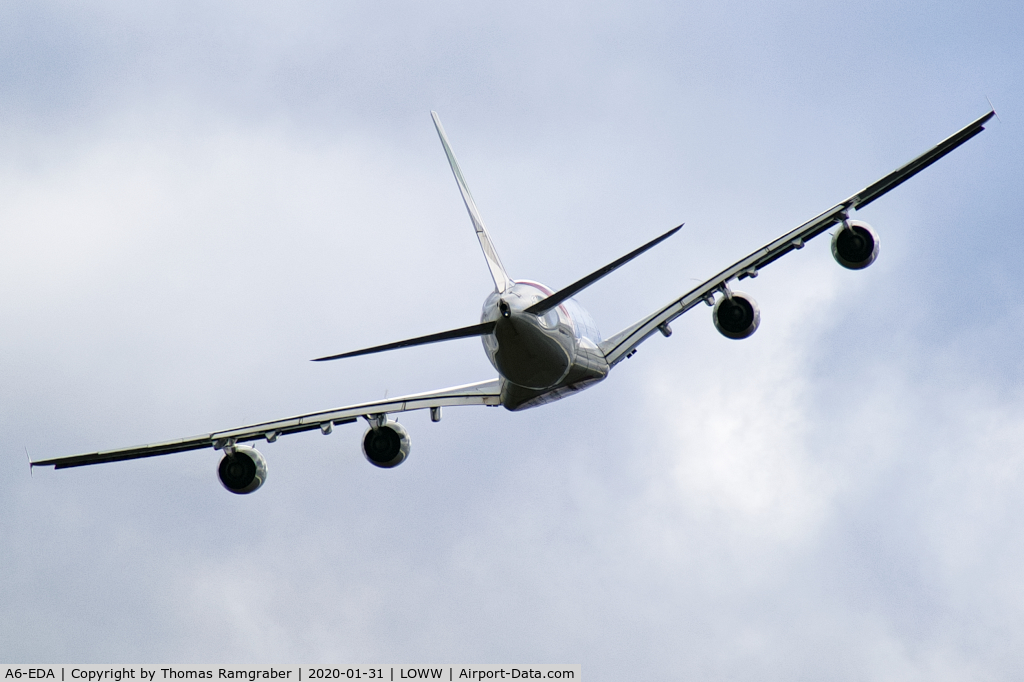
(541, 358)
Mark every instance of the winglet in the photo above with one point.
(992, 108)
(501, 280)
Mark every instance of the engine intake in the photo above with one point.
(386, 446)
(242, 470)
(736, 316)
(855, 247)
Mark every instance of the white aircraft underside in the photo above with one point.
(542, 343)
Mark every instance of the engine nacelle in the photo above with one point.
(386, 446)
(242, 469)
(736, 316)
(857, 247)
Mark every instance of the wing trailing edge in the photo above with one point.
(480, 393)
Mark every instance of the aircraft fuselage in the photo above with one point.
(540, 358)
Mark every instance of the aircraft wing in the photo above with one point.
(480, 393)
(625, 342)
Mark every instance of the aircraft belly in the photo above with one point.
(588, 368)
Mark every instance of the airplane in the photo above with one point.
(542, 343)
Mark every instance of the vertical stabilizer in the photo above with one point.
(501, 280)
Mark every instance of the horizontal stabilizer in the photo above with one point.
(475, 330)
(546, 304)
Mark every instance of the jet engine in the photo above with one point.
(387, 445)
(855, 247)
(736, 316)
(242, 469)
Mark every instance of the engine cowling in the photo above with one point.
(736, 316)
(386, 446)
(855, 247)
(242, 470)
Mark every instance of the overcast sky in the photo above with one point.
(197, 198)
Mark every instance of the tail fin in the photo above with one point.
(501, 280)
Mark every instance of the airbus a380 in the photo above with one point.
(542, 343)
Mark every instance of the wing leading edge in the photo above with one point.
(622, 344)
(480, 393)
